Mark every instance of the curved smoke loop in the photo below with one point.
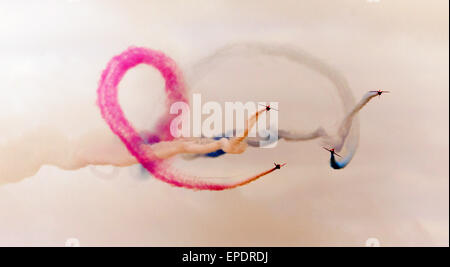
(56, 149)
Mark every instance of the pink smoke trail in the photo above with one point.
(136, 145)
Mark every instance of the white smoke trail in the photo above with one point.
(348, 133)
(24, 156)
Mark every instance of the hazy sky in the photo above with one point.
(396, 189)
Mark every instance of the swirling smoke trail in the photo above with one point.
(136, 145)
(347, 137)
(45, 145)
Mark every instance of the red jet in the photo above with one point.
(278, 166)
(332, 151)
(268, 107)
(379, 92)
